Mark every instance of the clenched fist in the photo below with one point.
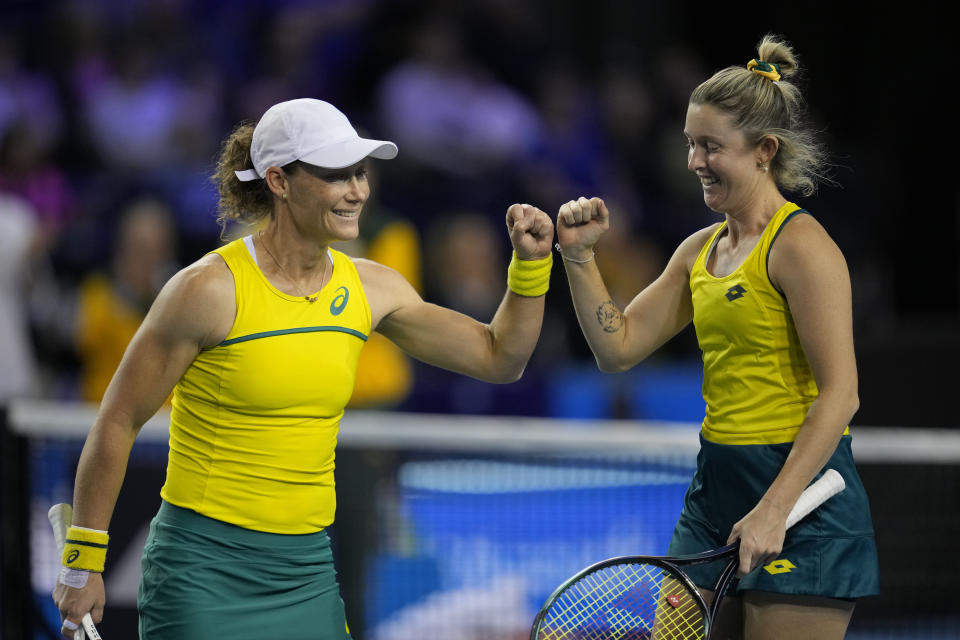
(531, 231)
(580, 223)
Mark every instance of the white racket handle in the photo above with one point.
(60, 517)
(90, 628)
(829, 484)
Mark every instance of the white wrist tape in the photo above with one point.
(89, 529)
(76, 578)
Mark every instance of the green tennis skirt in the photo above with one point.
(830, 553)
(202, 578)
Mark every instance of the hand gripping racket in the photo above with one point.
(60, 516)
(646, 597)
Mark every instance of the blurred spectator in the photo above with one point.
(184, 183)
(112, 305)
(511, 37)
(18, 225)
(27, 98)
(570, 150)
(465, 269)
(134, 112)
(447, 111)
(44, 194)
(629, 259)
(26, 170)
(384, 372)
(628, 122)
(311, 46)
(155, 102)
(680, 211)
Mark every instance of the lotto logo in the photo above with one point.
(779, 566)
(735, 292)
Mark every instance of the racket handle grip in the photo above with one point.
(828, 485)
(91, 629)
(60, 516)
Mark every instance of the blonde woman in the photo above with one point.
(769, 294)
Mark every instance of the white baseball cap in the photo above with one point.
(313, 131)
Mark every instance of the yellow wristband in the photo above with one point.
(85, 549)
(529, 278)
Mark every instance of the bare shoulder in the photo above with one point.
(372, 271)
(386, 289)
(686, 254)
(803, 247)
(697, 239)
(801, 228)
(200, 300)
(802, 237)
(376, 277)
(208, 279)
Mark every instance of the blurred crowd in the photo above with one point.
(111, 114)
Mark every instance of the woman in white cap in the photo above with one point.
(259, 341)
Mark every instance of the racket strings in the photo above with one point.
(635, 601)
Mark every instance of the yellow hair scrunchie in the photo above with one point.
(768, 70)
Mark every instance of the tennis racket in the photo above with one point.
(60, 517)
(648, 597)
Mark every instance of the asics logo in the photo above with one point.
(340, 301)
(73, 556)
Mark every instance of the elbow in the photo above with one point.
(607, 367)
(494, 371)
(853, 400)
(507, 375)
(612, 365)
(850, 399)
(843, 402)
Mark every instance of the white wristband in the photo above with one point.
(76, 578)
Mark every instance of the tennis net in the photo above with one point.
(447, 523)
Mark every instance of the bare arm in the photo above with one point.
(808, 267)
(495, 352)
(195, 309)
(621, 339)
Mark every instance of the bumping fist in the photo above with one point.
(580, 223)
(531, 231)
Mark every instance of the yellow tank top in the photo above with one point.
(757, 383)
(254, 420)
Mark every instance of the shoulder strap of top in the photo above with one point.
(780, 220)
(700, 262)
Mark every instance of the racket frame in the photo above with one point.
(827, 485)
(671, 564)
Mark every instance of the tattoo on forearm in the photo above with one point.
(609, 317)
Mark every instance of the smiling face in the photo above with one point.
(326, 203)
(729, 167)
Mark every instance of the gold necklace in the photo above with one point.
(289, 277)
